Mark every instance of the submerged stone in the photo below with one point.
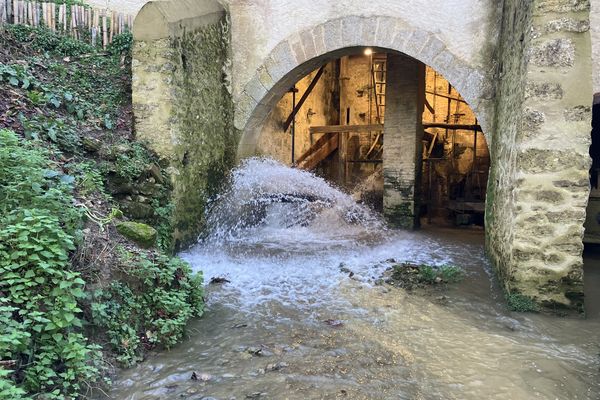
(144, 235)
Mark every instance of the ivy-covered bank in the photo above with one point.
(87, 276)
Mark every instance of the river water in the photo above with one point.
(304, 315)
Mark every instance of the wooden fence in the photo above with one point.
(82, 22)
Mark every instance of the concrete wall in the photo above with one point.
(539, 185)
(182, 104)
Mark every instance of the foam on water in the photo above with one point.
(281, 234)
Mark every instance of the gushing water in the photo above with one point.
(304, 317)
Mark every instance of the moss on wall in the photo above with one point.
(202, 116)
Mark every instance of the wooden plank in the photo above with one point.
(311, 86)
(345, 128)
(315, 146)
(104, 30)
(328, 147)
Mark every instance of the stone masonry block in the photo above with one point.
(298, 49)
(431, 49)
(255, 89)
(553, 53)
(578, 113)
(243, 109)
(416, 42)
(369, 30)
(535, 161)
(385, 31)
(560, 6)
(281, 61)
(352, 31)
(544, 90)
(308, 43)
(265, 79)
(400, 37)
(318, 34)
(332, 32)
(561, 25)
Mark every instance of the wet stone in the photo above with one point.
(91, 145)
(142, 234)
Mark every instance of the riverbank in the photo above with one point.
(88, 281)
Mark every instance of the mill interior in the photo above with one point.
(332, 122)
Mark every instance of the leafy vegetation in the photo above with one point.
(426, 274)
(131, 163)
(67, 105)
(150, 307)
(39, 313)
(521, 303)
(45, 41)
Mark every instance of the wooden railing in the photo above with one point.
(98, 26)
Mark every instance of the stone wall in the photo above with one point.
(182, 104)
(266, 63)
(539, 186)
(595, 34)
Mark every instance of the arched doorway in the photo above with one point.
(387, 128)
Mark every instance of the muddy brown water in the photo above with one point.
(292, 323)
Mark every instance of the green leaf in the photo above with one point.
(69, 317)
(55, 102)
(13, 81)
(68, 179)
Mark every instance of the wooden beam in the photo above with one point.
(429, 107)
(379, 127)
(312, 85)
(319, 151)
(446, 97)
(452, 126)
(345, 128)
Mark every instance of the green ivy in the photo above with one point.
(521, 303)
(44, 40)
(131, 164)
(150, 307)
(88, 178)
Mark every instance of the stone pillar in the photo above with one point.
(539, 180)
(403, 133)
(182, 106)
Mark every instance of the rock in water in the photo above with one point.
(142, 234)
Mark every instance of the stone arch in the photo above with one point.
(304, 51)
